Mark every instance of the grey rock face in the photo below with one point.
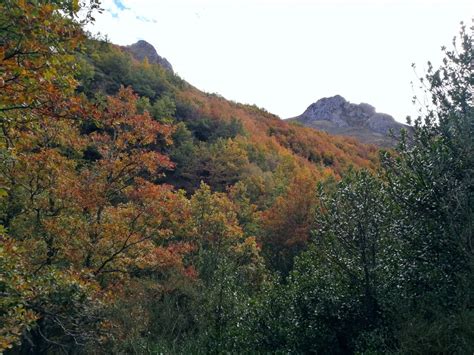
(143, 49)
(336, 115)
(382, 123)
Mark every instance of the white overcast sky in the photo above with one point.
(283, 55)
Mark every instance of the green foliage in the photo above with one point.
(102, 257)
(163, 108)
(229, 266)
(206, 314)
(105, 68)
(354, 238)
(390, 269)
(444, 334)
(210, 130)
(16, 290)
(337, 290)
(220, 164)
(432, 182)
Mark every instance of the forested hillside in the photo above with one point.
(141, 215)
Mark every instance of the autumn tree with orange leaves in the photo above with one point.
(98, 217)
(79, 204)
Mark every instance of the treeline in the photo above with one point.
(139, 215)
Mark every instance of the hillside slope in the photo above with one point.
(141, 215)
(204, 121)
(317, 148)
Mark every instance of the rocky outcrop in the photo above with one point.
(143, 49)
(336, 115)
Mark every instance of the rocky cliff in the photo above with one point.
(336, 115)
(142, 49)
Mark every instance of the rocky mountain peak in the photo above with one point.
(142, 49)
(336, 115)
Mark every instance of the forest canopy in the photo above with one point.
(141, 215)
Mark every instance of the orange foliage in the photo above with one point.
(287, 224)
(101, 217)
(36, 60)
(309, 147)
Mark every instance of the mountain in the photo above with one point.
(336, 115)
(218, 141)
(142, 49)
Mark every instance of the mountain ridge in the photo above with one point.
(336, 115)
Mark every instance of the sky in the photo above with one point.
(283, 55)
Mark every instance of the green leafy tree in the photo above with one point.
(164, 108)
(337, 290)
(432, 182)
(229, 268)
